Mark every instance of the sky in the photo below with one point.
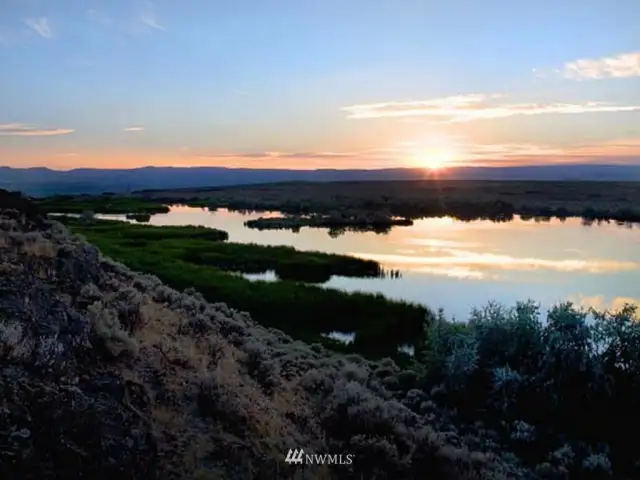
(318, 83)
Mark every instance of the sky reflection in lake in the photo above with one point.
(457, 265)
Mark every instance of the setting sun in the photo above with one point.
(434, 159)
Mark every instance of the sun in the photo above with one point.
(436, 159)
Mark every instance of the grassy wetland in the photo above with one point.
(198, 257)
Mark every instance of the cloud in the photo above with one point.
(506, 151)
(409, 154)
(467, 108)
(362, 159)
(285, 155)
(23, 130)
(41, 27)
(626, 151)
(134, 129)
(148, 18)
(622, 65)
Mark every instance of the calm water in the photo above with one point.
(456, 265)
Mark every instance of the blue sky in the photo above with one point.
(322, 83)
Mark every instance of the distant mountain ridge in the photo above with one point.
(43, 181)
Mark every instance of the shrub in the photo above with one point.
(108, 334)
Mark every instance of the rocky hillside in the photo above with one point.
(106, 373)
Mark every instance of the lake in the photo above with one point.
(458, 265)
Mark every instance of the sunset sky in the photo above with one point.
(318, 83)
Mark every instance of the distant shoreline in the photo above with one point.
(465, 200)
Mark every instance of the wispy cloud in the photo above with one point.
(617, 66)
(23, 130)
(620, 151)
(370, 158)
(148, 17)
(41, 27)
(134, 129)
(467, 108)
(281, 155)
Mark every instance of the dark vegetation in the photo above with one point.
(378, 222)
(286, 262)
(105, 204)
(139, 217)
(197, 257)
(106, 373)
(465, 200)
(570, 385)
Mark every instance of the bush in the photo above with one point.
(574, 376)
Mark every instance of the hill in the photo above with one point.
(45, 182)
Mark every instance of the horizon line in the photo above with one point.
(407, 168)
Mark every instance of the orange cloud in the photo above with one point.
(362, 159)
(617, 66)
(467, 108)
(620, 151)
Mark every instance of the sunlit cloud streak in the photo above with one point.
(23, 130)
(623, 65)
(467, 108)
(404, 155)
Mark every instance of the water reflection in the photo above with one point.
(459, 265)
(345, 338)
(470, 261)
(600, 302)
